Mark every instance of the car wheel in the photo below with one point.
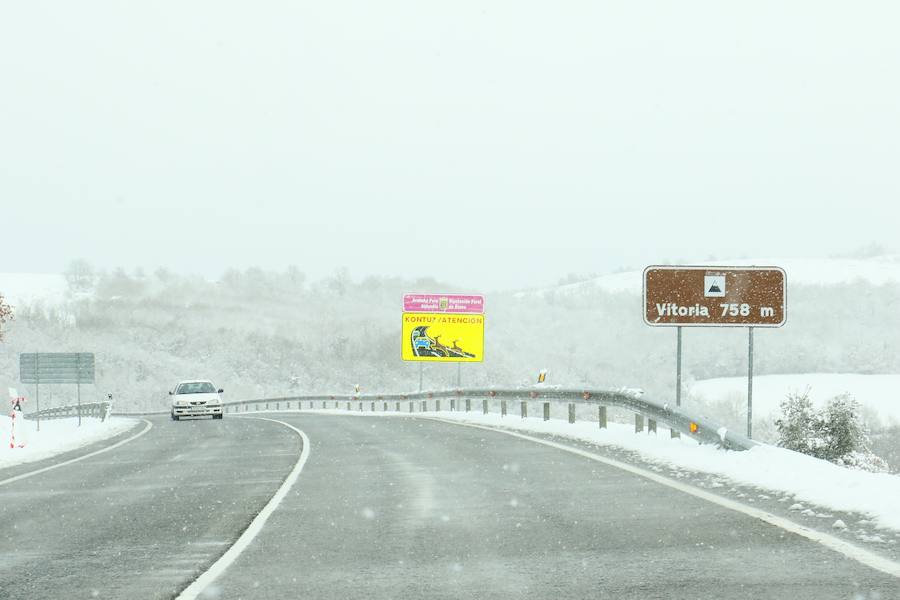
(174, 417)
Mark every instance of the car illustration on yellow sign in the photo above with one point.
(443, 337)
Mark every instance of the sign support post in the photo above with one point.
(37, 390)
(458, 375)
(421, 374)
(78, 390)
(678, 370)
(750, 382)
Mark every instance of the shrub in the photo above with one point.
(836, 433)
(797, 424)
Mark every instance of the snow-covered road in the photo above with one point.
(400, 507)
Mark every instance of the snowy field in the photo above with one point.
(56, 436)
(799, 477)
(879, 394)
(812, 271)
(25, 288)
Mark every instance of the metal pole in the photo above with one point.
(750, 383)
(37, 389)
(458, 375)
(78, 388)
(678, 370)
(421, 373)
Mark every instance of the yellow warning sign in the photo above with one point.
(443, 337)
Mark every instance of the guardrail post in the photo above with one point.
(397, 407)
(348, 406)
(385, 407)
(546, 411)
(267, 406)
(524, 409)
(452, 404)
(638, 423)
(503, 408)
(278, 406)
(360, 406)
(484, 406)
(424, 405)
(571, 412)
(372, 408)
(437, 405)
(324, 404)
(468, 404)
(674, 434)
(410, 406)
(651, 425)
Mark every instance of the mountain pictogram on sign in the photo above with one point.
(714, 286)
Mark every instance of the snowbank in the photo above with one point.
(26, 288)
(878, 393)
(56, 436)
(805, 478)
(812, 271)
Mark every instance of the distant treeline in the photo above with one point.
(262, 333)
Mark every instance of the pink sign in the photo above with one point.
(447, 303)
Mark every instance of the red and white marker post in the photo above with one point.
(17, 424)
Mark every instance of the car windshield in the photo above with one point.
(196, 387)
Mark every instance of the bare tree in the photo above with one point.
(80, 275)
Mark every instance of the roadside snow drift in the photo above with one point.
(55, 437)
(878, 393)
(804, 478)
(807, 479)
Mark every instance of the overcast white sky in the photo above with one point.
(490, 144)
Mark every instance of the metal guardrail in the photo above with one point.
(86, 409)
(679, 420)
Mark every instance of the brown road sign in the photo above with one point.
(714, 296)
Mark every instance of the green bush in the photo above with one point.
(836, 433)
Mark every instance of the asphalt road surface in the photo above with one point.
(399, 508)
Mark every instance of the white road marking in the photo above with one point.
(860, 555)
(207, 577)
(148, 427)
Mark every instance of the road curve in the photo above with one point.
(142, 520)
(396, 507)
(412, 508)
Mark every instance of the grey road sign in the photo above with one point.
(56, 367)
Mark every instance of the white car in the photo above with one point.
(196, 399)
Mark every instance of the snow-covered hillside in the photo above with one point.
(878, 393)
(28, 288)
(810, 271)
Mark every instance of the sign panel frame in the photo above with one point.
(443, 303)
(57, 368)
(414, 328)
(722, 295)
